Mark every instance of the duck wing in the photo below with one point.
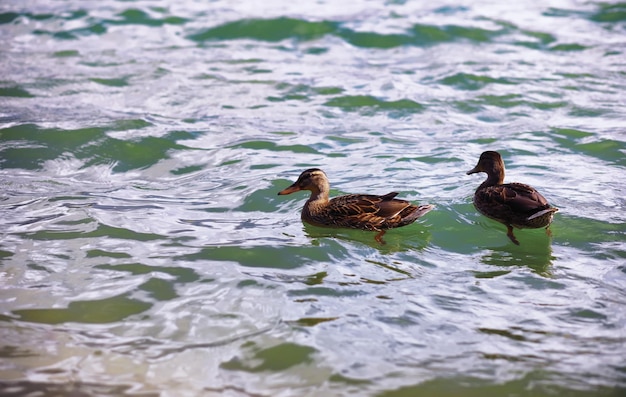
(511, 200)
(358, 204)
(366, 211)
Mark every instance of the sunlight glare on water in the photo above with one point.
(145, 250)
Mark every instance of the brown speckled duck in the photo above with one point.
(356, 211)
(513, 204)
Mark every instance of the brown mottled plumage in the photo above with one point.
(356, 211)
(513, 204)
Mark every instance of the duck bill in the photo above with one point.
(289, 190)
(473, 171)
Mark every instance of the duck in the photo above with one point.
(512, 204)
(354, 211)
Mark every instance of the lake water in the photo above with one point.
(145, 251)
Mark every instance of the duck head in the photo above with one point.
(313, 179)
(491, 163)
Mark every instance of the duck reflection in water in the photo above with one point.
(504, 258)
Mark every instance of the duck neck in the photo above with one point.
(495, 177)
(318, 200)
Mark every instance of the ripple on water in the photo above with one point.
(145, 250)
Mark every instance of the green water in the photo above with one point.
(145, 251)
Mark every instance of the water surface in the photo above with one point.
(144, 249)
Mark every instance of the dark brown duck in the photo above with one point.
(513, 204)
